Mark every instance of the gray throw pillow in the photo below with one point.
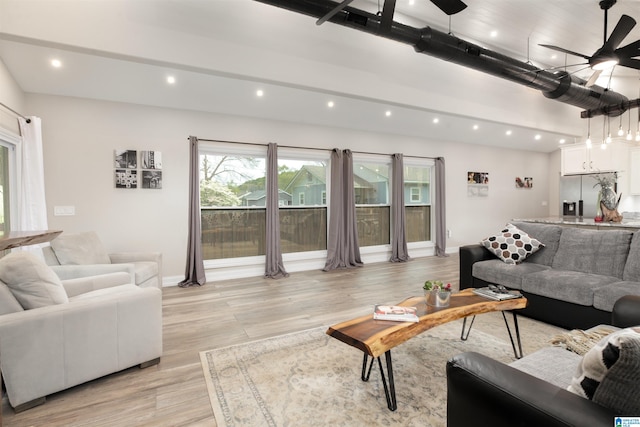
(31, 281)
(80, 249)
(609, 373)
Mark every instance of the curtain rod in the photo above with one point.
(15, 112)
(308, 148)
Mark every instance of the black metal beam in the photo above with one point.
(611, 110)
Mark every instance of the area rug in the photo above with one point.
(310, 379)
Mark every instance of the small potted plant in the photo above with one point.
(437, 293)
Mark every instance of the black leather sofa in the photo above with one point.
(483, 391)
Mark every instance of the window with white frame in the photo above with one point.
(417, 184)
(373, 210)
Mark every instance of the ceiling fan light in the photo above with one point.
(604, 65)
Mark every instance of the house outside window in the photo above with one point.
(301, 199)
(371, 188)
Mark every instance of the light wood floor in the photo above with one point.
(219, 314)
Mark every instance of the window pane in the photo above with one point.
(417, 203)
(303, 219)
(233, 199)
(371, 183)
(371, 187)
(373, 225)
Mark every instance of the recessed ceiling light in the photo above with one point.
(330, 104)
(562, 141)
(436, 120)
(259, 93)
(388, 113)
(171, 80)
(412, 2)
(475, 127)
(554, 56)
(508, 132)
(494, 33)
(537, 137)
(56, 63)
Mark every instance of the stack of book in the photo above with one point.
(395, 313)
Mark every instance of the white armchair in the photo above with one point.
(57, 334)
(82, 254)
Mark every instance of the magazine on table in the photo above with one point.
(498, 293)
(395, 313)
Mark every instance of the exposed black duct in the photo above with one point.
(558, 85)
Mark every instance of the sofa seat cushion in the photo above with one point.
(569, 286)
(509, 275)
(593, 251)
(609, 373)
(145, 270)
(552, 364)
(31, 281)
(605, 297)
(80, 249)
(548, 234)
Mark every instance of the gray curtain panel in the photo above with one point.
(274, 267)
(441, 209)
(194, 274)
(399, 252)
(343, 250)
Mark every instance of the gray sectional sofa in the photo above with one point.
(573, 281)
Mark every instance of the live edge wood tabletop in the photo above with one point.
(375, 337)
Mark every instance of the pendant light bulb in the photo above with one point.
(603, 146)
(638, 136)
(629, 136)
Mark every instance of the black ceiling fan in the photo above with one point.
(610, 54)
(450, 7)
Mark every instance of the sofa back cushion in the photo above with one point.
(632, 267)
(31, 281)
(592, 251)
(80, 249)
(548, 235)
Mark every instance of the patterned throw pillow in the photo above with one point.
(609, 373)
(512, 245)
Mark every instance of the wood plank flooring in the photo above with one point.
(219, 314)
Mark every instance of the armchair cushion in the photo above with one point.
(31, 281)
(80, 248)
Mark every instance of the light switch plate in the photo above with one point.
(64, 210)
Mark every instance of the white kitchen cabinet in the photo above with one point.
(579, 159)
(634, 171)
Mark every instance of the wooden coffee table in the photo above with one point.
(377, 337)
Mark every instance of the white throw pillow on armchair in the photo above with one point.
(31, 281)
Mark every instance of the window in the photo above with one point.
(232, 200)
(415, 194)
(8, 179)
(303, 178)
(417, 184)
(371, 187)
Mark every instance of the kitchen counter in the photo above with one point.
(574, 221)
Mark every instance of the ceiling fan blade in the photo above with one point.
(593, 78)
(450, 7)
(622, 30)
(631, 63)
(333, 12)
(560, 49)
(629, 51)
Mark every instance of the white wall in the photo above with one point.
(80, 136)
(12, 96)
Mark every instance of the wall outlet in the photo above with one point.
(64, 210)
(448, 233)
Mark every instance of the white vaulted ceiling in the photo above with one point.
(222, 51)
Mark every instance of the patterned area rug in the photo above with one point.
(310, 379)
